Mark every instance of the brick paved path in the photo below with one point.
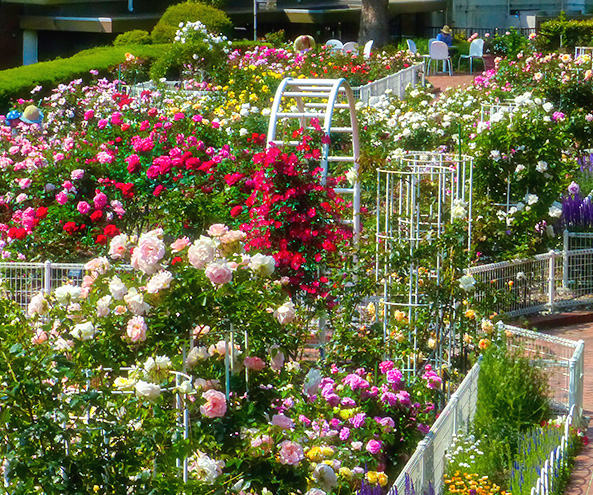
(581, 479)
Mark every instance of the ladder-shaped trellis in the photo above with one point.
(297, 101)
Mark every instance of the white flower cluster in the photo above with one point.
(463, 451)
(193, 31)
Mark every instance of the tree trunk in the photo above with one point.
(374, 22)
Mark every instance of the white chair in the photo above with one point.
(412, 47)
(351, 46)
(368, 46)
(439, 51)
(334, 46)
(476, 50)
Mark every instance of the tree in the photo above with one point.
(374, 22)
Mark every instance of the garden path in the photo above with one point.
(459, 79)
(581, 479)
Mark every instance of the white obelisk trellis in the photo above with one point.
(300, 100)
(415, 203)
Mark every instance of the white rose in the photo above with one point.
(163, 362)
(467, 283)
(121, 383)
(541, 166)
(285, 313)
(83, 331)
(159, 281)
(67, 293)
(195, 355)
(201, 252)
(312, 381)
(117, 288)
(458, 212)
(135, 302)
(38, 305)
(149, 252)
(262, 265)
(150, 364)
(146, 390)
(103, 306)
(555, 211)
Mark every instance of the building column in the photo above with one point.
(30, 47)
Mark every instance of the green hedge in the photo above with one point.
(573, 33)
(18, 82)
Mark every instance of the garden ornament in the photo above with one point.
(304, 43)
(32, 115)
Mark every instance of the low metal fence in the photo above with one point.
(546, 282)
(396, 83)
(466, 32)
(563, 362)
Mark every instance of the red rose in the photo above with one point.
(41, 212)
(17, 233)
(96, 215)
(236, 210)
(70, 228)
(158, 190)
(101, 239)
(111, 230)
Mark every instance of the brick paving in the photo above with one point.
(441, 82)
(581, 478)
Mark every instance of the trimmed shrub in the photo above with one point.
(215, 20)
(134, 37)
(571, 32)
(18, 82)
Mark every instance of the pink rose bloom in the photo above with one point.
(147, 255)
(215, 406)
(117, 118)
(374, 446)
(219, 273)
(136, 330)
(58, 157)
(24, 183)
(262, 443)
(104, 157)
(21, 197)
(218, 230)
(285, 313)
(100, 200)
(62, 198)
(118, 246)
(277, 358)
(83, 207)
(291, 453)
(254, 363)
(201, 252)
(282, 421)
(77, 174)
(180, 244)
(89, 114)
(102, 124)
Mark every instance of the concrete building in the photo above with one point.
(34, 30)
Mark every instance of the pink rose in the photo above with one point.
(147, 255)
(117, 118)
(291, 453)
(285, 313)
(215, 406)
(102, 124)
(262, 443)
(374, 446)
(219, 273)
(136, 330)
(83, 207)
(89, 114)
(277, 358)
(180, 244)
(282, 421)
(254, 363)
(62, 198)
(77, 174)
(218, 230)
(201, 252)
(100, 200)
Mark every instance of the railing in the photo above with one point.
(468, 31)
(397, 83)
(546, 282)
(563, 361)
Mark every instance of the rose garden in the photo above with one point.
(232, 333)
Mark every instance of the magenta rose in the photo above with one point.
(215, 406)
(374, 446)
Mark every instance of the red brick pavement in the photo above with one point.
(457, 79)
(581, 478)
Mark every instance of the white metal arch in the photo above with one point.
(304, 99)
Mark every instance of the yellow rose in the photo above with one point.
(382, 478)
(372, 477)
(345, 472)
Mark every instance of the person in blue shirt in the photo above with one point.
(445, 35)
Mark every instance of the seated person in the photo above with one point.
(445, 35)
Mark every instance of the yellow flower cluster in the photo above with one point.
(377, 478)
(471, 484)
(319, 453)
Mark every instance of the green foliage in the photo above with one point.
(512, 395)
(509, 44)
(276, 38)
(561, 32)
(19, 82)
(215, 20)
(134, 37)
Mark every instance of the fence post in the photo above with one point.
(551, 280)
(565, 248)
(47, 277)
(427, 463)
